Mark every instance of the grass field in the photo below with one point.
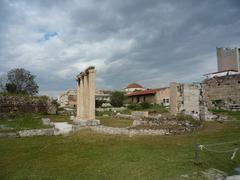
(234, 115)
(113, 122)
(88, 155)
(58, 118)
(21, 122)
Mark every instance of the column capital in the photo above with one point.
(91, 71)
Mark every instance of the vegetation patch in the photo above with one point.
(89, 155)
(235, 115)
(58, 118)
(114, 122)
(19, 122)
(152, 108)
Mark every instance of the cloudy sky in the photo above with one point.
(151, 42)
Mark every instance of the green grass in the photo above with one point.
(21, 122)
(58, 118)
(88, 155)
(114, 122)
(155, 108)
(232, 114)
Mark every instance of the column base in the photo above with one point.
(82, 123)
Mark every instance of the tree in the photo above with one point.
(3, 81)
(21, 81)
(11, 88)
(117, 99)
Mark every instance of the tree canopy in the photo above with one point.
(20, 81)
(117, 99)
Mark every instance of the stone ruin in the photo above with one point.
(170, 124)
(185, 99)
(86, 85)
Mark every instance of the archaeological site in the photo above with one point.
(119, 90)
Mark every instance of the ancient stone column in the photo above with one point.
(81, 99)
(78, 97)
(86, 99)
(91, 95)
(85, 96)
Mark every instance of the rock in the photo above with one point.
(235, 177)
(125, 131)
(47, 121)
(140, 113)
(72, 118)
(78, 122)
(36, 132)
(62, 128)
(138, 122)
(214, 174)
(185, 176)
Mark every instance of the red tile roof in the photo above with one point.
(134, 85)
(146, 92)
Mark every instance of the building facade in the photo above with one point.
(228, 59)
(103, 95)
(159, 96)
(69, 98)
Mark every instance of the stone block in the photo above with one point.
(140, 113)
(82, 123)
(36, 132)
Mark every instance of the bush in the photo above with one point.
(98, 103)
(218, 103)
(145, 105)
(117, 99)
(155, 108)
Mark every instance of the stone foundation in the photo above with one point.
(125, 131)
(82, 123)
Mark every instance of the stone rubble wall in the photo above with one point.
(224, 88)
(26, 104)
(125, 116)
(36, 132)
(140, 113)
(184, 98)
(126, 131)
(111, 109)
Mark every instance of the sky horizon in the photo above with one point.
(149, 42)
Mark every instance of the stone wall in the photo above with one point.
(224, 91)
(184, 98)
(26, 104)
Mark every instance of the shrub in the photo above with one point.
(117, 99)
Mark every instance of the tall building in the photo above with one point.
(228, 59)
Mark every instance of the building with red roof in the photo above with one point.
(133, 87)
(159, 96)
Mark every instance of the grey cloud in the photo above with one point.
(151, 42)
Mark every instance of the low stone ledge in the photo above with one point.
(36, 132)
(78, 122)
(128, 132)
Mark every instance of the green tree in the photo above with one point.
(21, 81)
(11, 88)
(117, 99)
